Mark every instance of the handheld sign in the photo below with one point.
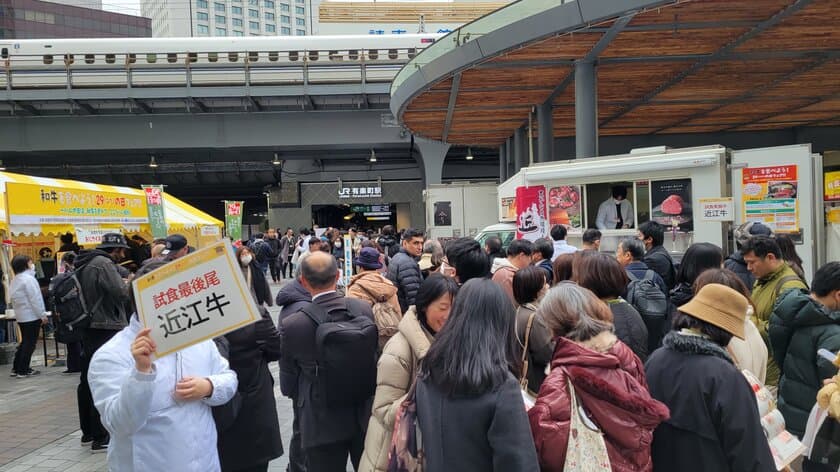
(194, 298)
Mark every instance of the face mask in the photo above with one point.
(338, 245)
(31, 267)
(245, 260)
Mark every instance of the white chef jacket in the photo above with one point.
(149, 430)
(607, 216)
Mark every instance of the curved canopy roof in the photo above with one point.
(675, 66)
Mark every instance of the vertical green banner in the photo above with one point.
(233, 219)
(154, 205)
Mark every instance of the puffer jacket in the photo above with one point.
(106, 294)
(681, 294)
(396, 370)
(630, 327)
(737, 264)
(799, 327)
(404, 272)
(503, 272)
(765, 293)
(373, 287)
(609, 381)
(292, 297)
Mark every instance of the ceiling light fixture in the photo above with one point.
(152, 163)
(469, 154)
(372, 155)
(276, 160)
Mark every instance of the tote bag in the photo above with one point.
(586, 450)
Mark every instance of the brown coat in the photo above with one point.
(373, 287)
(503, 272)
(396, 370)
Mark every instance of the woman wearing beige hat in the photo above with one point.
(714, 424)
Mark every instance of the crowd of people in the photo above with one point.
(534, 356)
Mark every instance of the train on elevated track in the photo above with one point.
(145, 62)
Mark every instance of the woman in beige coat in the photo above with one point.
(398, 365)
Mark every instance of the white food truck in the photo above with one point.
(700, 194)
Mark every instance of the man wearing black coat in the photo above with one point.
(328, 433)
(657, 257)
(404, 270)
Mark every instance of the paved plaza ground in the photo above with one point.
(39, 424)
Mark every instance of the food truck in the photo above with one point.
(699, 194)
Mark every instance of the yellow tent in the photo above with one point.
(44, 206)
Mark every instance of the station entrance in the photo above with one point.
(361, 216)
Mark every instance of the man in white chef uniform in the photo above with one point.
(615, 212)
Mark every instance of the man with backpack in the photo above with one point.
(657, 258)
(262, 252)
(106, 294)
(371, 286)
(70, 312)
(646, 291)
(328, 367)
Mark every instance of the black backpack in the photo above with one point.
(345, 370)
(646, 296)
(65, 291)
(262, 251)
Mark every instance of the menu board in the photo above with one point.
(832, 186)
(671, 204)
(564, 206)
(769, 196)
(508, 209)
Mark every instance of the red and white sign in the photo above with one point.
(531, 213)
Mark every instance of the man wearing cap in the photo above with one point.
(106, 295)
(369, 284)
(714, 423)
(175, 247)
(735, 262)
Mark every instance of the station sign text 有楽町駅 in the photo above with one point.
(360, 191)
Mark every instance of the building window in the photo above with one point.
(201, 16)
(236, 10)
(203, 30)
(254, 2)
(300, 22)
(301, 32)
(254, 25)
(254, 13)
(236, 22)
(285, 30)
(238, 33)
(300, 11)
(269, 4)
(221, 19)
(201, 3)
(220, 7)
(269, 16)
(300, 1)
(270, 29)
(285, 7)
(285, 19)
(221, 32)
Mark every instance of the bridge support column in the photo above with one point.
(432, 155)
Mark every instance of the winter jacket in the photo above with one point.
(714, 424)
(250, 436)
(765, 292)
(404, 272)
(639, 269)
(737, 264)
(258, 283)
(609, 382)
(292, 297)
(396, 371)
(659, 261)
(149, 429)
(681, 294)
(389, 245)
(287, 245)
(750, 353)
(799, 327)
(105, 291)
(25, 294)
(546, 266)
(630, 327)
(477, 433)
(540, 344)
(503, 272)
(373, 288)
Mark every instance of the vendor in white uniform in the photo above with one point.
(616, 212)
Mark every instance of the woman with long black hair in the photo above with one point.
(469, 405)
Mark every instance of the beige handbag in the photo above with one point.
(586, 450)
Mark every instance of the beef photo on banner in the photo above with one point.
(531, 213)
(564, 206)
(671, 203)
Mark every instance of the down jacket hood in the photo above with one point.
(499, 263)
(292, 293)
(85, 257)
(375, 285)
(797, 309)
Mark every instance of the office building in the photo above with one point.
(203, 18)
(34, 19)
